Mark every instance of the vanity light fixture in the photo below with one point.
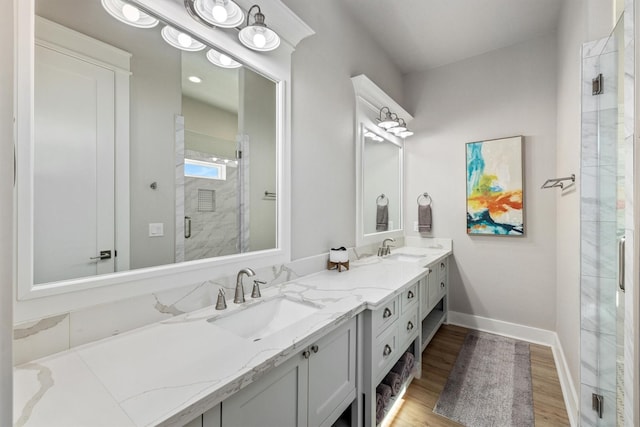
(258, 36)
(389, 120)
(222, 60)
(129, 14)
(401, 127)
(393, 124)
(221, 13)
(181, 40)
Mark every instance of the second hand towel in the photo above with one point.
(382, 217)
(424, 218)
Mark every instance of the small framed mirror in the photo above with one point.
(379, 166)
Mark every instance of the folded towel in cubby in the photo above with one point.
(384, 391)
(394, 381)
(379, 408)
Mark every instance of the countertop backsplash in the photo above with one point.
(46, 336)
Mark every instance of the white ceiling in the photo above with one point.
(219, 86)
(422, 34)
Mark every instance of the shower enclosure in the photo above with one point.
(603, 227)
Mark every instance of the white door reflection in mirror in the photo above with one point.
(74, 160)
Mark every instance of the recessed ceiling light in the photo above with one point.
(195, 79)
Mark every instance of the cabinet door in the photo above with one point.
(211, 418)
(279, 399)
(332, 374)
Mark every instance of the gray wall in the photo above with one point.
(258, 122)
(323, 139)
(506, 92)
(580, 22)
(6, 213)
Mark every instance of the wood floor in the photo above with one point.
(437, 362)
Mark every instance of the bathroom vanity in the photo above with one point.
(190, 371)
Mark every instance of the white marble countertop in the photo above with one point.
(168, 373)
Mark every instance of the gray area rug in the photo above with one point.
(490, 383)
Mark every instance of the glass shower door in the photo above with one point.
(602, 232)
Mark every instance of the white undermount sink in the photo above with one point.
(405, 257)
(263, 319)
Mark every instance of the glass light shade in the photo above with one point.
(396, 130)
(259, 38)
(211, 12)
(222, 60)
(388, 123)
(129, 14)
(181, 40)
(405, 134)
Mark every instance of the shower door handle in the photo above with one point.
(187, 227)
(621, 284)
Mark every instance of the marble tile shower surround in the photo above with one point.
(630, 399)
(179, 177)
(212, 233)
(39, 338)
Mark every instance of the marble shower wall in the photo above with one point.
(46, 336)
(630, 257)
(213, 233)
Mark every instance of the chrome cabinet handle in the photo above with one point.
(187, 227)
(410, 326)
(306, 354)
(387, 350)
(442, 266)
(386, 313)
(442, 285)
(315, 348)
(410, 295)
(621, 244)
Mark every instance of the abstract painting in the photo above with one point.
(495, 187)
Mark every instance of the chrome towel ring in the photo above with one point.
(424, 196)
(382, 198)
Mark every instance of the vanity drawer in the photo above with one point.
(437, 289)
(442, 269)
(409, 298)
(408, 327)
(385, 316)
(385, 350)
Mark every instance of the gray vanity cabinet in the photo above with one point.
(310, 389)
(279, 398)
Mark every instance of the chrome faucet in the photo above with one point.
(239, 297)
(385, 249)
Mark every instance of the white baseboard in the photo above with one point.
(533, 335)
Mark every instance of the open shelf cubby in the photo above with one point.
(432, 322)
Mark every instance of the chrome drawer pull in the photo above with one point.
(442, 266)
(387, 350)
(410, 295)
(410, 326)
(306, 354)
(386, 313)
(314, 348)
(442, 284)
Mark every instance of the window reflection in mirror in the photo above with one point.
(111, 190)
(381, 207)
